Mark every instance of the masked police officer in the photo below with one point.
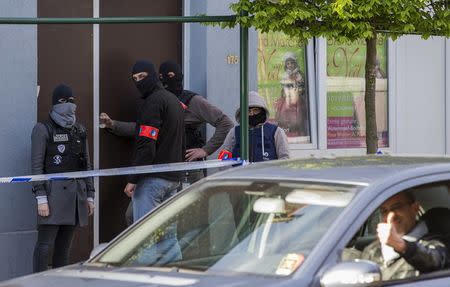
(60, 145)
(198, 112)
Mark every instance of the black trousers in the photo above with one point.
(56, 238)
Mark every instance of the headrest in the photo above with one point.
(438, 220)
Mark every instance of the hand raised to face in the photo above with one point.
(388, 234)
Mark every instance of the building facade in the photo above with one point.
(413, 94)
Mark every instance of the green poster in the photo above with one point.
(282, 83)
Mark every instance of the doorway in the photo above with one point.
(65, 55)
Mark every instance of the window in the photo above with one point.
(257, 227)
(282, 82)
(345, 95)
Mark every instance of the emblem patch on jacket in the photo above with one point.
(61, 148)
(60, 138)
(148, 132)
(57, 159)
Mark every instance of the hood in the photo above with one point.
(289, 56)
(254, 100)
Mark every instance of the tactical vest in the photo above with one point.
(257, 139)
(65, 151)
(195, 137)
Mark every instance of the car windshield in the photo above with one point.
(256, 227)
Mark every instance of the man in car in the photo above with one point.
(404, 247)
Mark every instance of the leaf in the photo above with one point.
(343, 19)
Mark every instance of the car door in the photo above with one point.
(365, 205)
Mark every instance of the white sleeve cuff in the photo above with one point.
(41, 199)
(90, 199)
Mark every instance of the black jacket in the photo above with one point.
(422, 256)
(159, 135)
(67, 199)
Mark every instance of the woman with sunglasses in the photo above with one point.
(60, 145)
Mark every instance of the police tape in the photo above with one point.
(144, 169)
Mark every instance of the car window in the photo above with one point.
(430, 230)
(261, 227)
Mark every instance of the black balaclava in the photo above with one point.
(61, 92)
(63, 110)
(257, 119)
(148, 84)
(172, 84)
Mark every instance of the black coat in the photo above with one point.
(66, 198)
(159, 134)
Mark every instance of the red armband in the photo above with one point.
(148, 132)
(225, 154)
(183, 105)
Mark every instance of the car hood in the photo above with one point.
(88, 276)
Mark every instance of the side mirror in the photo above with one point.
(97, 249)
(359, 273)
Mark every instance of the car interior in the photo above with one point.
(434, 202)
(250, 219)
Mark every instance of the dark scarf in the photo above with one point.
(257, 119)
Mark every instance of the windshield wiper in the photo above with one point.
(181, 268)
(101, 264)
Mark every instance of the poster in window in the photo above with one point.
(346, 124)
(282, 82)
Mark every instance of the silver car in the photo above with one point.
(279, 223)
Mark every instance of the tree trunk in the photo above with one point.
(371, 121)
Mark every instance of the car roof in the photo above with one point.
(355, 170)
